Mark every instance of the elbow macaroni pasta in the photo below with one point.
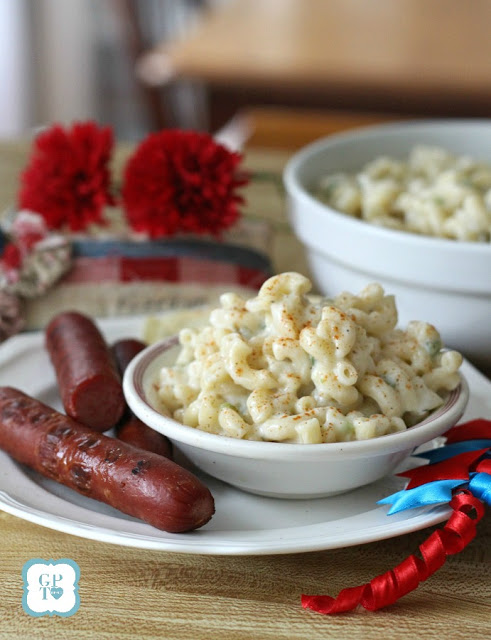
(434, 193)
(284, 367)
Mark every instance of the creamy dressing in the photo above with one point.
(285, 367)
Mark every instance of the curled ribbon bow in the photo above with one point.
(458, 473)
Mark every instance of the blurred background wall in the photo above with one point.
(15, 67)
(62, 60)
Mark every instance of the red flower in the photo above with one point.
(181, 181)
(67, 179)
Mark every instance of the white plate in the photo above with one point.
(243, 524)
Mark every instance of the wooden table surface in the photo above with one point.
(133, 593)
(429, 55)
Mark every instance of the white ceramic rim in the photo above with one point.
(434, 425)
(295, 187)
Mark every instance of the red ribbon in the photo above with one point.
(484, 466)
(472, 430)
(456, 534)
(455, 468)
(385, 589)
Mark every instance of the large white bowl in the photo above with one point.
(445, 282)
(274, 469)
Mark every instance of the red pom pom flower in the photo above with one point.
(181, 181)
(67, 180)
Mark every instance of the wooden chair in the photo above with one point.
(143, 25)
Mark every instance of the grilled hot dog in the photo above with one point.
(89, 383)
(138, 483)
(131, 429)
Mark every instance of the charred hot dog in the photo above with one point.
(131, 429)
(138, 483)
(89, 383)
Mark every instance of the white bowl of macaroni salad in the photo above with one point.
(294, 396)
(407, 205)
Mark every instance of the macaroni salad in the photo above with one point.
(286, 367)
(433, 193)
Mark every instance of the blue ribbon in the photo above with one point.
(438, 492)
(450, 450)
(441, 491)
(480, 485)
(435, 492)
